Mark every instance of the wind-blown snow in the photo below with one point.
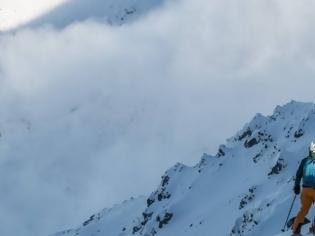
(245, 189)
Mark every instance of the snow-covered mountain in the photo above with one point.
(115, 12)
(244, 189)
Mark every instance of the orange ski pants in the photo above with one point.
(307, 198)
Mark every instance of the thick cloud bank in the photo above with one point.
(93, 114)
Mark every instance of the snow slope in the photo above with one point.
(245, 189)
(114, 12)
(108, 219)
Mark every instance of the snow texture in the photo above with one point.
(245, 189)
(113, 12)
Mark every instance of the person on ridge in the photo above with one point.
(306, 171)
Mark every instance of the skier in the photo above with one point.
(306, 171)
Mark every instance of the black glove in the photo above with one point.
(297, 189)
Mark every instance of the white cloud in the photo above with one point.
(93, 114)
(15, 12)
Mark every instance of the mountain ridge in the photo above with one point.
(112, 12)
(244, 189)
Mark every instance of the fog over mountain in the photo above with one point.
(94, 112)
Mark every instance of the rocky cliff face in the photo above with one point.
(244, 189)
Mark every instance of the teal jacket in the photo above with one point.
(306, 171)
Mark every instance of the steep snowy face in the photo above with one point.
(110, 220)
(115, 12)
(245, 189)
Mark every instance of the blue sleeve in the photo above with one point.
(299, 172)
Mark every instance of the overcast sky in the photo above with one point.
(92, 114)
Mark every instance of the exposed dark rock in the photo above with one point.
(278, 167)
(220, 153)
(256, 157)
(250, 143)
(135, 229)
(165, 180)
(146, 217)
(245, 223)
(247, 198)
(202, 163)
(153, 232)
(299, 133)
(85, 223)
(246, 133)
(163, 195)
(150, 202)
(130, 11)
(165, 219)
